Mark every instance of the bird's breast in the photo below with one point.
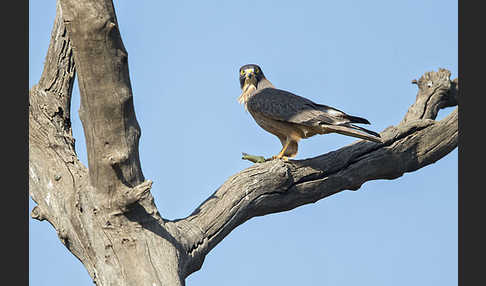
(247, 92)
(278, 128)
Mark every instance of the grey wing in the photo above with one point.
(285, 106)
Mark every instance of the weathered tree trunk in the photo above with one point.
(89, 207)
(105, 214)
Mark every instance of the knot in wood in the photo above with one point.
(37, 214)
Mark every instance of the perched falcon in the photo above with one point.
(291, 117)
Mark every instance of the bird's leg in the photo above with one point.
(282, 152)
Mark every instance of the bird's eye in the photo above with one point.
(242, 72)
(257, 70)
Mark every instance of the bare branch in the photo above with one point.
(107, 112)
(278, 186)
(56, 175)
(52, 158)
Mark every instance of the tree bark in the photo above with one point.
(105, 214)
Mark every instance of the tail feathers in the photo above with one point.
(364, 130)
(354, 131)
(356, 119)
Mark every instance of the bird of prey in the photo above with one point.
(291, 117)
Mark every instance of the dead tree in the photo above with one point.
(105, 214)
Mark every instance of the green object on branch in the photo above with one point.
(253, 158)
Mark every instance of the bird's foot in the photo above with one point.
(285, 158)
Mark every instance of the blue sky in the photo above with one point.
(357, 56)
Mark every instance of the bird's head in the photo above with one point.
(250, 76)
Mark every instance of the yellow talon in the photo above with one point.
(285, 158)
